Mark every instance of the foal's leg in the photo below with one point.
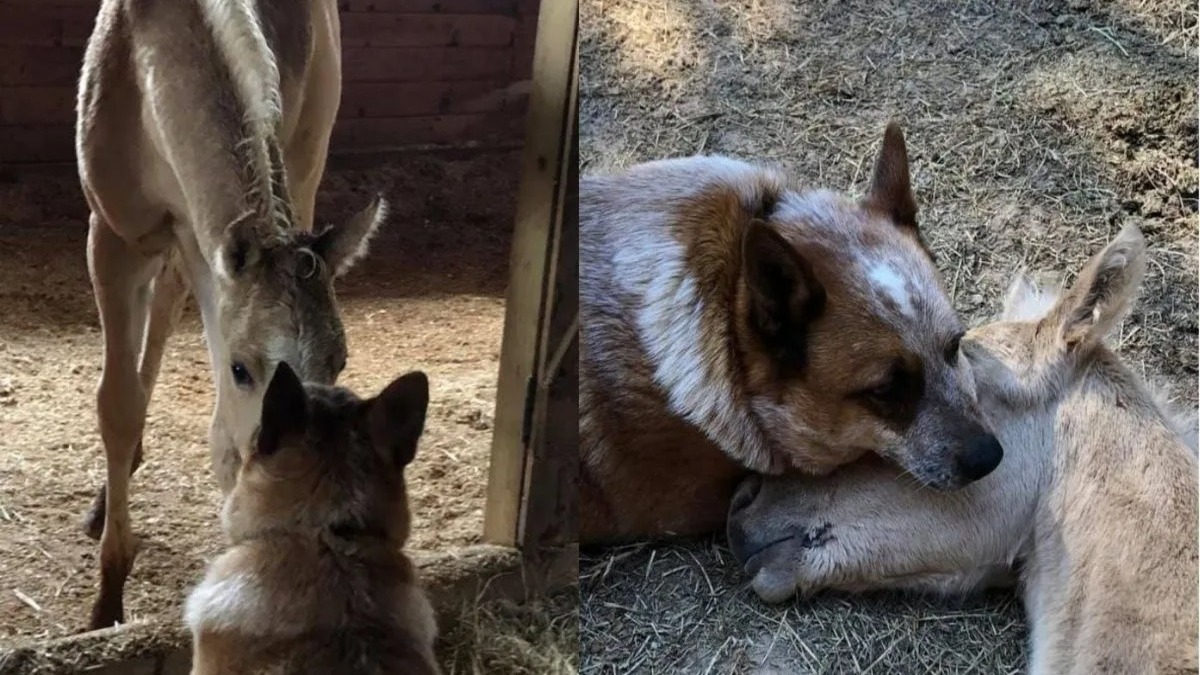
(166, 307)
(121, 279)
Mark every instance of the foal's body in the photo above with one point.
(1096, 498)
(202, 132)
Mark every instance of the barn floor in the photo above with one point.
(1036, 129)
(430, 296)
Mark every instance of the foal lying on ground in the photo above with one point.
(315, 581)
(1096, 496)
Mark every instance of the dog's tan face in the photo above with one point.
(324, 460)
(849, 341)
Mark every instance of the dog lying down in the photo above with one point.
(1095, 500)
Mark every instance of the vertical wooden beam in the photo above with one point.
(523, 396)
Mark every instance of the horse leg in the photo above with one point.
(166, 307)
(121, 278)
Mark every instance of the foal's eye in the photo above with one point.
(241, 376)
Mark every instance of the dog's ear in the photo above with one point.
(1102, 293)
(785, 295)
(396, 417)
(891, 188)
(284, 410)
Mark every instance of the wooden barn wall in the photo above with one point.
(417, 72)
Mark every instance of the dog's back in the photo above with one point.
(292, 606)
(316, 580)
(632, 445)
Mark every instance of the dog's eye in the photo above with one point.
(951, 352)
(886, 392)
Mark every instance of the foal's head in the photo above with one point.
(1045, 340)
(275, 303)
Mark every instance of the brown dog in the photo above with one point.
(315, 581)
(732, 321)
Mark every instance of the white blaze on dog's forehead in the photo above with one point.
(887, 281)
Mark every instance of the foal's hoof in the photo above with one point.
(93, 523)
(107, 612)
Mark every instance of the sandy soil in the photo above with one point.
(1035, 131)
(430, 296)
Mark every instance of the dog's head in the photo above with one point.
(325, 461)
(849, 341)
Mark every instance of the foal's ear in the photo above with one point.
(396, 417)
(1101, 295)
(241, 247)
(342, 246)
(284, 410)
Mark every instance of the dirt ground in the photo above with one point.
(1035, 130)
(430, 296)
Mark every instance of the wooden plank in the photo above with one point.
(505, 7)
(37, 105)
(524, 40)
(550, 504)
(402, 99)
(29, 26)
(26, 65)
(549, 510)
(45, 26)
(453, 580)
(539, 205)
(93, 5)
(26, 144)
(382, 133)
(419, 64)
(379, 29)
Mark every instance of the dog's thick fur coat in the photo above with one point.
(732, 321)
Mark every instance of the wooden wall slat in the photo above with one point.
(508, 7)
(381, 29)
(37, 105)
(39, 65)
(23, 144)
(392, 132)
(416, 72)
(400, 99)
(421, 64)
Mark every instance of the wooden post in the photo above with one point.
(532, 484)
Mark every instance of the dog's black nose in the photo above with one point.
(982, 456)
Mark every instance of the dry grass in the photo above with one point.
(1036, 130)
(540, 637)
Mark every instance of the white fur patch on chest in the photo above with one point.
(691, 366)
(888, 282)
(230, 603)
